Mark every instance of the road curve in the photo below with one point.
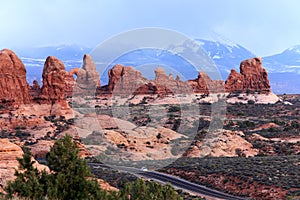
(174, 181)
(186, 185)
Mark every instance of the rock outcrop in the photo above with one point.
(9, 153)
(59, 84)
(124, 80)
(252, 78)
(8, 162)
(88, 79)
(34, 89)
(53, 90)
(222, 143)
(166, 84)
(258, 98)
(13, 85)
(203, 84)
(69, 84)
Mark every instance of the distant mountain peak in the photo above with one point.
(294, 49)
(219, 39)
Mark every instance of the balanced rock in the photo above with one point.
(252, 78)
(13, 84)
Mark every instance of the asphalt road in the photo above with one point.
(174, 181)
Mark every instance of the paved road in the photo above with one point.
(175, 181)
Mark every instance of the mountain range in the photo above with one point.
(283, 68)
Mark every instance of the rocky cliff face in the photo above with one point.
(252, 78)
(13, 85)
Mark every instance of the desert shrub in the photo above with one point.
(174, 108)
(149, 190)
(246, 124)
(251, 102)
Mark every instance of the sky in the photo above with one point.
(264, 27)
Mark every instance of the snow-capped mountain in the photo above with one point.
(62, 52)
(284, 70)
(287, 61)
(225, 54)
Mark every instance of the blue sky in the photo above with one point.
(264, 27)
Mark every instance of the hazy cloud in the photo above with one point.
(264, 27)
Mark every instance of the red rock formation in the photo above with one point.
(203, 84)
(88, 79)
(54, 73)
(34, 89)
(13, 85)
(127, 80)
(234, 82)
(252, 78)
(124, 80)
(166, 84)
(92, 75)
(69, 84)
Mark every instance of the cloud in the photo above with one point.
(264, 27)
